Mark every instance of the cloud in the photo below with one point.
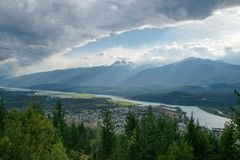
(156, 55)
(33, 30)
(4, 57)
(231, 55)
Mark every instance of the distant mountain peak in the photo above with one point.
(122, 63)
(191, 71)
(192, 58)
(195, 59)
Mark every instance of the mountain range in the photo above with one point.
(90, 76)
(191, 71)
(189, 74)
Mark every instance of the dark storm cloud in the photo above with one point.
(31, 30)
(3, 57)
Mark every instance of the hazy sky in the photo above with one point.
(41, 35)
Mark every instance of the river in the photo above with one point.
(204, 118)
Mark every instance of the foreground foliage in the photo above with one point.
(29, 134)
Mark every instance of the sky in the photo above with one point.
(47, 35)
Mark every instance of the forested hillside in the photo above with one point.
(30, 134)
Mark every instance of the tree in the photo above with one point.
(146, 137)
(236, 122)
(179, 150)
(96, 143)
(77, 141)
(236, 116)
(199, 139)
(58, 119)
(131, 123)
(34, 103)
(2, 115)
(167, 132)
(227, 141)
(72, 138)
(230, 139)
(133, 146)
(83, 139)
(120, 151)
(30, 135)
(2, 127)
(107, 136)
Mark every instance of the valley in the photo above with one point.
(89, 107)
(119, 80)
(122, 86)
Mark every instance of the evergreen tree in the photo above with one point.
(236, 117)
(146, 137)
(58, 119)
(34, 103)
(120, 148)
(129, 140)
(77, 139)
(227, 142)
(107, 136)
(2, 128)
(73, 138)
(83, 140)
(30, 135)
(199, 139)
(131, 123)
(2, 115)
(230, 139)
(179, 150)
(132, 152)
(95, 155)
(167, 132)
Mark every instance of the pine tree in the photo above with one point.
(107, 136)
(147, 137)
(167, 132)
(34, 103)
(83, 139)
(133, 146)
(2, 115)
(227, 141)
(30, 135)
(179, 150)
(58, 119)
(2, 128)
(131, 123)
(199, 139)
(236, 116)
(230, 139)
(95, 155)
